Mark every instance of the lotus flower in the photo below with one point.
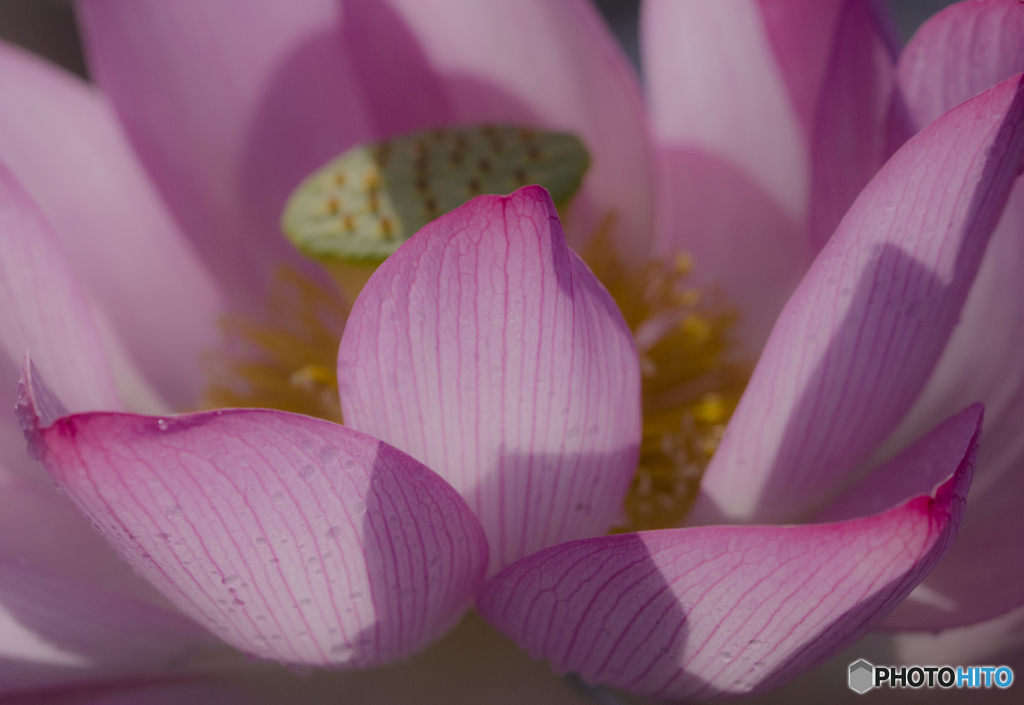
(489, 385)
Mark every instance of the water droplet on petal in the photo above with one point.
(329, 455)
(359, 509)
(334, 532)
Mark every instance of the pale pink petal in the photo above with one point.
(959, 52)
(733, 160)
(769, 118)
(288, 537)
(712, 612)
(837, 61)
(230, 105)
(857, 341)
(956, 54)
(63, 143)
(43, 531)
(556, 65)
(856, 126)
(917, 470)
(485, 348)
(981, 362)
(716, 85)
(977, 643)
(55, 632)
(42, 310)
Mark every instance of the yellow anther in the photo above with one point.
(286, 361)
(696, 328)
(310, 375)
(710, 409)
(690, 383)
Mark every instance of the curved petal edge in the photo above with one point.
(485, 348)
(721, 611)
(858, 339)
(290, 538)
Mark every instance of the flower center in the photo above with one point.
(357, 210)
(691, 378)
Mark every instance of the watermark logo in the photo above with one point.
(863, 676)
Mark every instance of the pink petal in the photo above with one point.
(485, 348)
(959, 52)
(981, 642)
(734, 163)
(54, 632)
(255, 109)
(706, 65)
(62, 141)
(42, 530)
(230, 105)
(288, 537)
(857, 341)
(556, 65)
(712, 612)
(43, 310)
(917, 470)
(982, 361)
(753, 106)
(857, 127)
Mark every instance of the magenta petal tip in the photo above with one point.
(720, 611)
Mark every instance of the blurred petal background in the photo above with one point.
(47, 27)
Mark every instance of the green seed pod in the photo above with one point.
(365, 203)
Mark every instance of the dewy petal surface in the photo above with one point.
(288, 537)
(230, 105)
(958, 53)
(858, 339)
(485, 348)
(721, 611)
(43, 310)
(63, 142)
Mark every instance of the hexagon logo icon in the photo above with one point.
(862, 674)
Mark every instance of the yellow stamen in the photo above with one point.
(691, 382)
(287, 361)
(356, 211)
